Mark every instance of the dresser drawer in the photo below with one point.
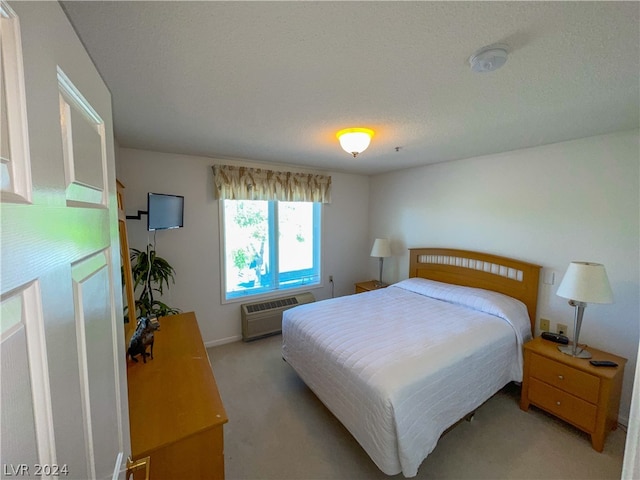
(577, 411)
(565, 378)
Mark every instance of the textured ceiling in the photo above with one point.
(274, 81)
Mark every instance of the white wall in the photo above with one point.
(549, 205)
(194, 251)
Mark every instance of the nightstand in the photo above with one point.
(368, 286)
(572, 389)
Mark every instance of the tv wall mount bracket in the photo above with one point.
(137, 217)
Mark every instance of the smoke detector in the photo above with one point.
(488, 59)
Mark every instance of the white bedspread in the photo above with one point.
(398, 366)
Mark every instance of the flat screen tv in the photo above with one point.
(164, 211)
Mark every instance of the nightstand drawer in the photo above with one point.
(577, 411)
(565, 378)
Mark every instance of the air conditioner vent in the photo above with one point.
(265, 318)
(282, 302)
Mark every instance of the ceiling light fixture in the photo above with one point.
(354, 140)
(488, 59)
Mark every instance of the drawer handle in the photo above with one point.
(138, 465)
(558, 403)
(560, 377)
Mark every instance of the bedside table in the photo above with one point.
(572, 389)
(368, 286)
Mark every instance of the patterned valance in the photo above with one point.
(243, 183)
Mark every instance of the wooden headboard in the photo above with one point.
(480, 270)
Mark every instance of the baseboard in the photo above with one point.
(623, 422)
(222, 341)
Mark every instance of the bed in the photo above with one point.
(398, 366)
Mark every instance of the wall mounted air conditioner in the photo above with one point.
(264, 318)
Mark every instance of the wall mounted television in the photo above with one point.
(164, 211)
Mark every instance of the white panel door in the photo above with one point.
(62, 356)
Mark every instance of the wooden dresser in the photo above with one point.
(176, 415)
(571, 388)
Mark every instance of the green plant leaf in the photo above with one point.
(151, 273)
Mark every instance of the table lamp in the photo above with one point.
(584, 282)
(381, 249)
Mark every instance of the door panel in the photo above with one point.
(17, 415)
(82, 145)
(25, 424)
(92, 295)
(63, 369)
(15, 172)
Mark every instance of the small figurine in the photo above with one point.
(142, 338)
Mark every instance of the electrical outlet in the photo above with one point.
(545, 325)
(562, 329)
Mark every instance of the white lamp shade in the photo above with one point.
(586, 282)
(355, 140)
(381, 248)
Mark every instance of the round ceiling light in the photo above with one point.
(354, 140)
(488, 59)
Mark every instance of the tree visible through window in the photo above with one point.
(270, 245)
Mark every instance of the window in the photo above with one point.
(269, 246)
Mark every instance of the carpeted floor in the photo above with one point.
(278, 429)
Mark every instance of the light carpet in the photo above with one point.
(278, 429)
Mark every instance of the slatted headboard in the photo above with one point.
(480, 270)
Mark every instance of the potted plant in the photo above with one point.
(151, 273)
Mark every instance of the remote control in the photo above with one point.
(555, 337)
(603, 363)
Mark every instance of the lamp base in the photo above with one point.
(568, 350)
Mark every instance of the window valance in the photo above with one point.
(243, 183)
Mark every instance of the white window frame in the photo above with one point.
(273, 257)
